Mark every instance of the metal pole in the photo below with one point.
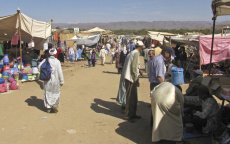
(213, 38)
(20, 37)
(51, 37)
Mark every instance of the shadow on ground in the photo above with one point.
(106, 107)
(108, 72)
(139, 131)
(36, 102)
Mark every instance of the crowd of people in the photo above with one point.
(171, 111)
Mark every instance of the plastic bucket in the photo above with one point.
(24, 76)
(2, 80)
(177, 76)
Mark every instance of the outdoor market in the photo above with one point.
(162, 87)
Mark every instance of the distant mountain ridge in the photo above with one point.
(138, 25)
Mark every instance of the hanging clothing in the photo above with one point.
(15, 39)
(60, 55)
(55, 36)
(52, 87)
(167, 106)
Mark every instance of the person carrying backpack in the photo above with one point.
(52, 76)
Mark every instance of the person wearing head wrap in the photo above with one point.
(52, 86)
(102, 55)
(129, 81)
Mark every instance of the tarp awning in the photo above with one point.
(221, 49)
(88, 41)
(30, 28)
(221, 7)
(161, 33)
(97, 30)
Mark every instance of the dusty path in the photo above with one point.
(88, 112)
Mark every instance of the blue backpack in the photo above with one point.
(45, 71)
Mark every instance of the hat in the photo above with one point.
(199, 72)
(52, 51)
(139, 44)
(153, 45)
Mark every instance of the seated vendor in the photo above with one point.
(205, 118)
(195, 83)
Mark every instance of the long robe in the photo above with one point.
(121, 96)
(130, 72)
(167, 107)
(52, 87)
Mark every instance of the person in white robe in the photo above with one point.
(102, 55)
(52, 86)
(167, 107)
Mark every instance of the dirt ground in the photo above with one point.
(88, 113)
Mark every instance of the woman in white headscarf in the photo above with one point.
(52, 86)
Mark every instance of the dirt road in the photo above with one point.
(88, 112)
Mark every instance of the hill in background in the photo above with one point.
(138, 25)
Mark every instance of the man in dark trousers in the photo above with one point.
(131, 82)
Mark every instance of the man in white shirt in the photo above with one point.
(131, 75)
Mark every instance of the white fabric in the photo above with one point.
(53, 51)
(139, 43)
(108, 46)
(71, 51)
(31, 44)
(52, 87)
(86, 40)
(167, 107)
(29, 28)
(95, 30)
(35, 28)
(45, 46)
(102, 53)
(35, 70)
(159, 37)
(127, 67)
(161, 33)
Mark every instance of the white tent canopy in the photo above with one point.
(159, 36)
(30, 28)
(97, 30)
(221, 7)
(161, 33)
(86, 40)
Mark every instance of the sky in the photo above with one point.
(88, 11)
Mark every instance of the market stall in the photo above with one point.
(21, 39)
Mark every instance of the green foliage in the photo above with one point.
(175, 31)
